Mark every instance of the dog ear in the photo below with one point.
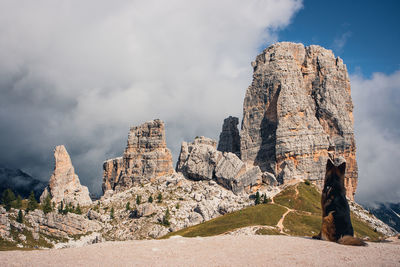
(329, 164)
(342, 167)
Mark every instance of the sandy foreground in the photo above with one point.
(212, 251)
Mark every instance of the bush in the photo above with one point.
(177, 206)
(159, 198)
(78, 209)
(128, 206)
(138, 199)
(18, 202)
(307, 182)
(150, 200)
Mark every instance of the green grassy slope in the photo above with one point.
(304, 220)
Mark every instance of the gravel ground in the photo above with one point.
(212, 251)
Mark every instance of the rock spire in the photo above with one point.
(64, 184)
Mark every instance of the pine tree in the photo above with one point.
(32, 203)
(61, 207)
(165, 220)
(112, 213)
(78, 209)
(257, 201)
(138, 199)
(18, 202)
(265, 199)
(8, 198)
(150, 200)
(20, 217)
(46, 207)
(159, 198)
(128, 206)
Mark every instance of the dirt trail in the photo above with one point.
(280, 222)
(212, 251)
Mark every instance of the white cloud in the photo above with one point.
(81, 73)
(377, 121)
(340, 41)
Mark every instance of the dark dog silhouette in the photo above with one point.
(336, 223)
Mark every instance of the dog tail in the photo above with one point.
(351, 241)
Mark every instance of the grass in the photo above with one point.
(304, 221)
(264, 214)
(361, 229)
(308, 198)
(268, 231)
(301, 224)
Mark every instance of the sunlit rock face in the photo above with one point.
(297, 112)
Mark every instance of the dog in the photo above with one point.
(336, 223)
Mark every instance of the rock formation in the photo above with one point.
(64, 184)
(229, 139)
(146, 157)
(200, 160)
(297, 112)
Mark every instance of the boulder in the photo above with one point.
(200, 160)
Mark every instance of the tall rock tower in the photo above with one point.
(146, 157)
(298, 112)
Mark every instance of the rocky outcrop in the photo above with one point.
(112, 170)
(200, 160)
(297, 110)
(146, 158)
(64, 184)
(229, 139)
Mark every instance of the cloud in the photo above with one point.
(81, 73)
(340, 41)
(377, 119)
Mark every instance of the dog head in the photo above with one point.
(334, 177)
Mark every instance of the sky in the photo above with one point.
(80, 73)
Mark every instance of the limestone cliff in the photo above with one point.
(229, 139)
(146, 158)
(64, 184)
(296, 112)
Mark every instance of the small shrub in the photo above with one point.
(138, 199)
(78, 210)
(257, 200)
(128, 206)
(159, 198)
(307, 182)
(150, 200)
(177, 206)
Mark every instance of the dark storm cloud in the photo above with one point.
(81, 73)
(377, 120)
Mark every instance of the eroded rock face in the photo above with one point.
(200, 160)
(229, 139)
(146, 158)
(112, 170)
(64, 184)
(297, 109)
